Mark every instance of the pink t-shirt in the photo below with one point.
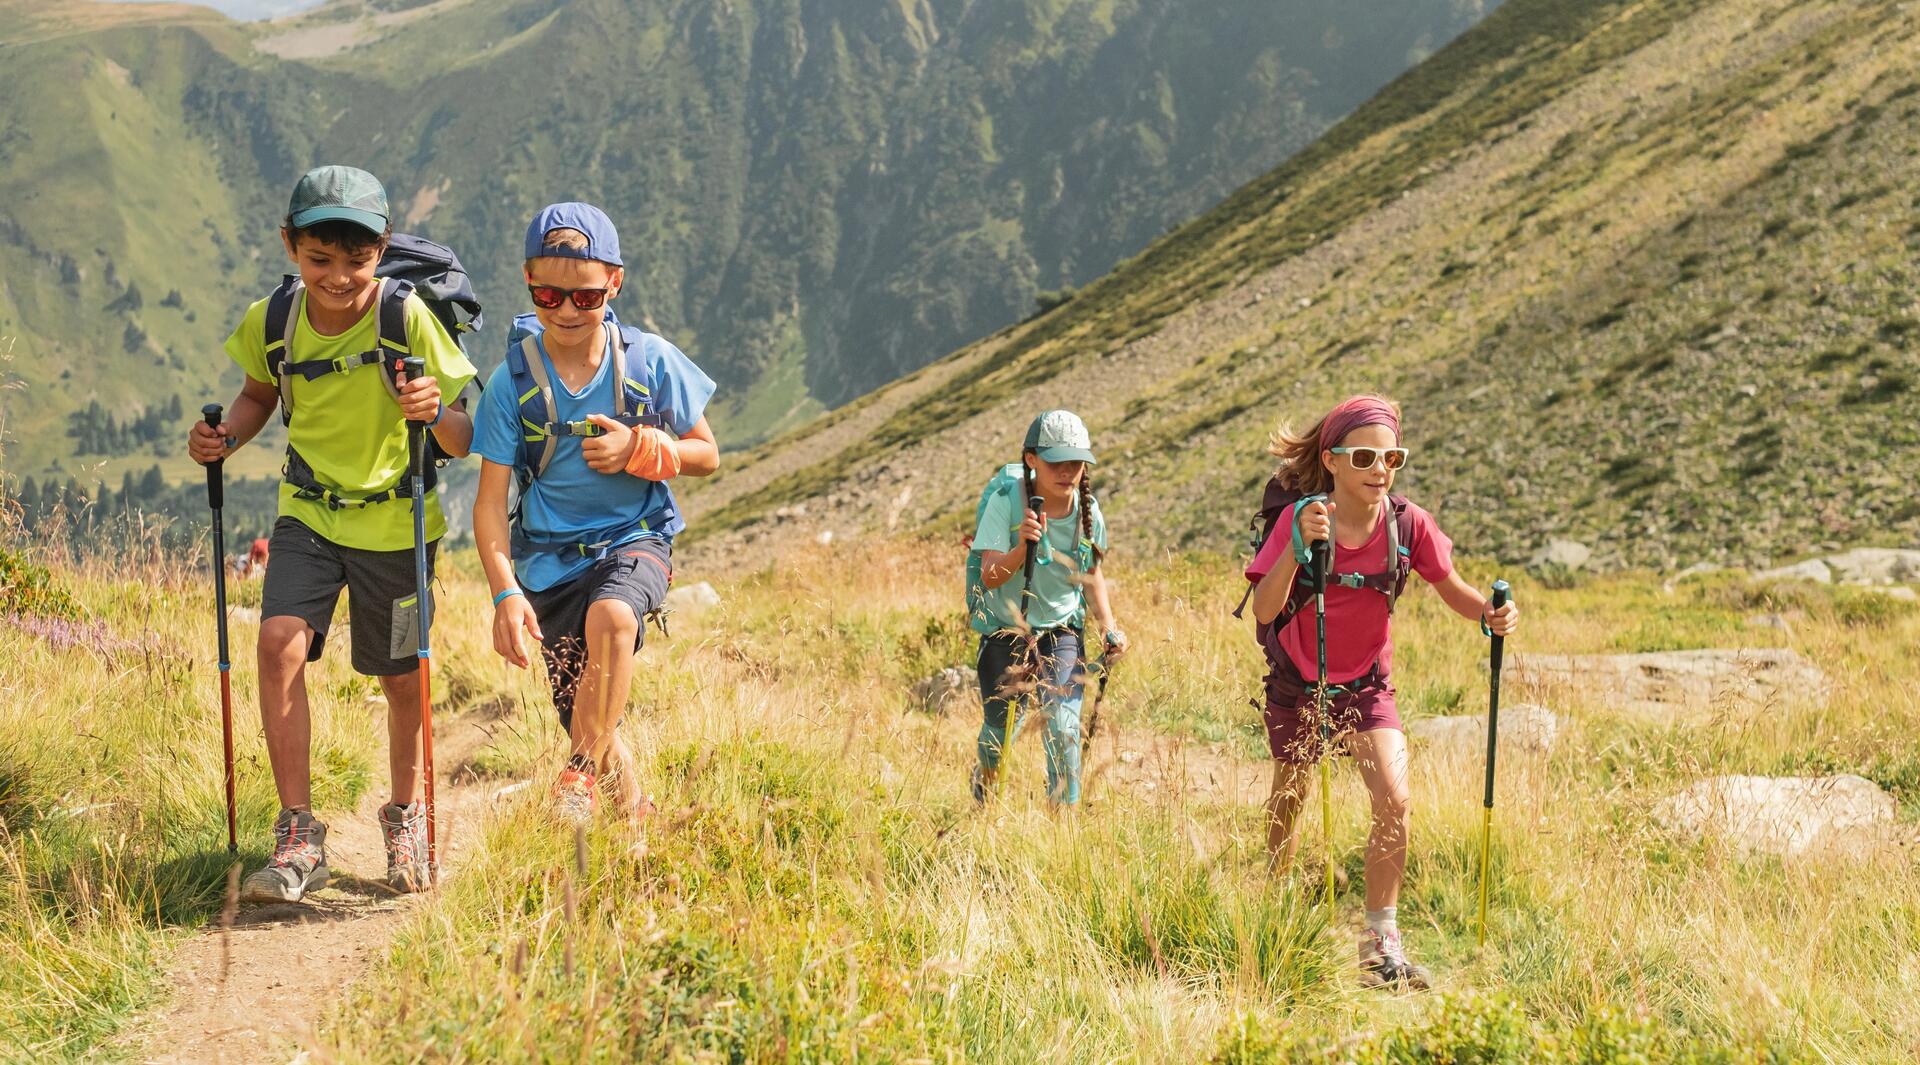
(1357, 618)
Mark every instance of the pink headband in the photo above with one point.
(1353, 413)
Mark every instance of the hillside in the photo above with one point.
(816, 198)
(1642, 275)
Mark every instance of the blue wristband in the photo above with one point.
(437, 415)
(498, 599)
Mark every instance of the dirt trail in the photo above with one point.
(286, 965)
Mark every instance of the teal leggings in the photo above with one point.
(1061, 691)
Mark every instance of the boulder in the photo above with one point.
(1524, 727)
(1811, 570)
(1571, 554)
(1779, 815)
(1875, 565)
(693, 598)
(937, 694)
(1675, 683)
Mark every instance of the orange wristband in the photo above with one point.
(656, 456)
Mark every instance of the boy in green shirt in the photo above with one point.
(345, 516)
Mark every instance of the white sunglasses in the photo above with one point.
(1366, 458)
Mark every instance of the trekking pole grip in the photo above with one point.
(216, 492)
(1501, 593)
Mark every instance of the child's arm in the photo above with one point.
(244, 420)
(420, 402)
(1467, 602)
(512, 614)
(1096, 589)
(1270, 595)
(651, 453)
(998, 567)
(699, 452)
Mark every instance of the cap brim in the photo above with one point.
(366, 220)
(1067, 454)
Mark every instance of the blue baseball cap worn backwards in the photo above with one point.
(603, 241)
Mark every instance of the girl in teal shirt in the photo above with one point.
(1067, 537)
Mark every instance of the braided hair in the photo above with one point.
(1086, 511)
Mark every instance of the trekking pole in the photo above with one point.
(1099, 697)
(216, 500)
(1500, 590)
(1034, 503)
(417, 462)
(1322, 549)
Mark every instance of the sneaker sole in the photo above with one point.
(314, 882)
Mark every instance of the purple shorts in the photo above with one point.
(1293, 724)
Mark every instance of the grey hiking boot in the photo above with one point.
(575, 796)
(405, 830)
(1383, 963)
(299, 862)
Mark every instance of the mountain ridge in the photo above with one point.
(1486, 209)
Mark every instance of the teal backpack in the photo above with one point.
(1009, 480)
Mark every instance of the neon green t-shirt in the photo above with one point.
(347, 426)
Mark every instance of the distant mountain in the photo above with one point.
(1644, 276)
(817, 197)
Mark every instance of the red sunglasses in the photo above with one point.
(551, 296)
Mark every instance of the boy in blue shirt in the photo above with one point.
(591, 418)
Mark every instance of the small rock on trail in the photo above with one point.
(693, 598)
(1524, 728)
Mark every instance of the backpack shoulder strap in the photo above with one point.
(633, 401)
(391, 338)
(1399, 548)
(533, 395)
(284, 306)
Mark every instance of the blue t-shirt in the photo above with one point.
(572, 501)
(1056, 572)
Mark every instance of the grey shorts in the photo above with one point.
(636, 574)
(305, 573)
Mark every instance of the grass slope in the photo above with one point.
(817, 887)
(1640, 272)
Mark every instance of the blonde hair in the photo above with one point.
(1299, 454)
(563, 238)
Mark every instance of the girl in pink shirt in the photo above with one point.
(1344, 467)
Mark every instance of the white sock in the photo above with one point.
(1382, 922)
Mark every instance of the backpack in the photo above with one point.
(1010, 479)
(1391, 582)
(410, 265)
(541, 429)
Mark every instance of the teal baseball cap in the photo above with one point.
(1060, 436)
(340, 193)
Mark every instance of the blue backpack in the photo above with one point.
(1010, 479)
(539, 414)
(411, 265)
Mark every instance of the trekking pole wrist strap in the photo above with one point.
(1302, 551)
(1485, 629)
(437, 415)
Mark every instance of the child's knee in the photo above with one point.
(611, 619)
(1393, 807)
(283, 646)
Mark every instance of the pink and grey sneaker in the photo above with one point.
(405, 830)
(575, 795)
(299, 862)
(1383, 963)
